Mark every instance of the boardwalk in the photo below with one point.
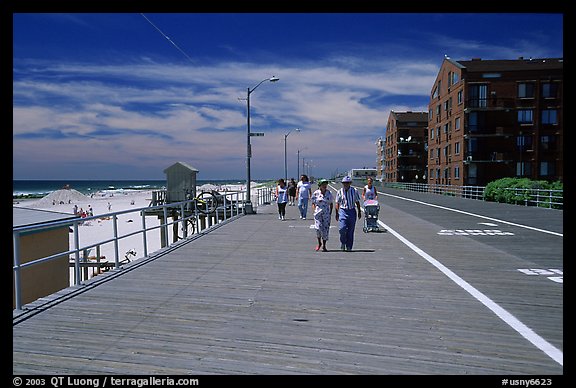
(444, 291)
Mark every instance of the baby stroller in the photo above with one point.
(371, 210)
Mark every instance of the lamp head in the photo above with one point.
(274, 79)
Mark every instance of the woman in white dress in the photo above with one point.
(322, 203)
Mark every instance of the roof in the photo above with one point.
(411, 116)
(181, 165)
(22, 216)
(477, 64)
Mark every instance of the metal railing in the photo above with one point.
(232, 206)
(472, 192)
(552, 199)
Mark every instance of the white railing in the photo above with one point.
(472, 192)
(232, 207)
(552, 199)
(539, 197)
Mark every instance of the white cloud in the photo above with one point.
(143, 115)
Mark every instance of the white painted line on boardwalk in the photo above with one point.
(475, 215)
(550, 350)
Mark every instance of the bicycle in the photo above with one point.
(206, 203)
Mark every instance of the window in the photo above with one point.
(525, 116)
(460, 97)
(432, 134)
(524, 143)
(523, 169)
(548, 142)
(549, 90)
(547, 169)
(478, 96)
(435, 92)
(456, 172)
(549, 116)
(457, 123)
(476, 121)
(526, 90)
(453, 78)
(457, 148)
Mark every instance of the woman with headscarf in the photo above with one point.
(322, 203)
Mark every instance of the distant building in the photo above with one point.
(359, 175)
(381, 159)
(490, 119)
(405, 154)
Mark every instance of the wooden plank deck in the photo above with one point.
(253, 297)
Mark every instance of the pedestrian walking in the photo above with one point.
(347, 209)
(369, 191)
(292, 192)
(281, 198)
(303, 193)
(322, 203)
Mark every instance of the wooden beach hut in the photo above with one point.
(180, 181)
(180, 186)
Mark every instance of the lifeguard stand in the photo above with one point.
(180, 182)
(180, 186)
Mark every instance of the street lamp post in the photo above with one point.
(285, 157)
(298, 164)
(248, 209)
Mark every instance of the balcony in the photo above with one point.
(488, 157)
(489, 103)
(485, 131)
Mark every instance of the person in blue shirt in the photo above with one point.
(347, 209)
(303, 193)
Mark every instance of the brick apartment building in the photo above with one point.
(404, 155)
(490, 119)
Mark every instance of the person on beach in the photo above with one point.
(322, 203)
(281, 198)
(369, 191)
(303, 193)
(347, 203)
(292, 192)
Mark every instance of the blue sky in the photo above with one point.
(107, 96)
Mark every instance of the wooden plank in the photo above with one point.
(253, 297)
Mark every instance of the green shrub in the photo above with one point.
(496, 190)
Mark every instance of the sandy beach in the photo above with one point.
(100, 227)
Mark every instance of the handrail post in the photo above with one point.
(17, 279)
(183, 221)
(76, 254)
(116, 254)
(144, 237)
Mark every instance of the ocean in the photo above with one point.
(41, 188)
